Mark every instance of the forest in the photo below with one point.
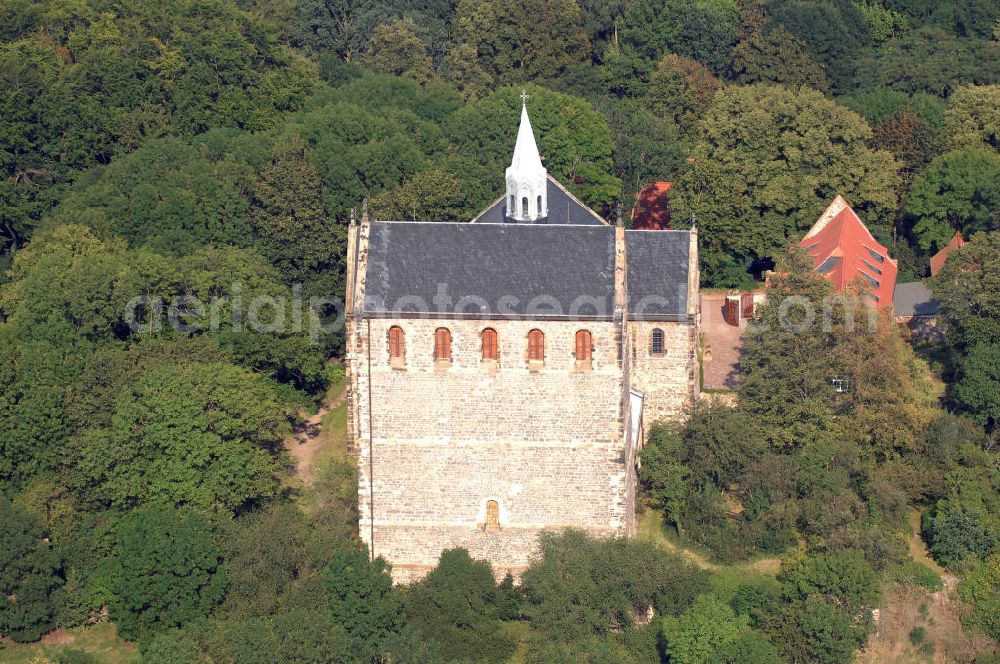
(217, 149)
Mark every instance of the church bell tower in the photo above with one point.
(527, 199)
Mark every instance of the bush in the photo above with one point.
(920, 575)
(980, 589)
(583, 586)
(459, 605)
(167, 571)
(27, 575)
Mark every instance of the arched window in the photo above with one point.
(396, 342)
(656, 342)
(524, 207)
(583, 345)
(492, 515)
(539, 208)
(442, 344)
(490, 344)
(536, 346)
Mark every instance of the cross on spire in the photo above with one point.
(524, 97)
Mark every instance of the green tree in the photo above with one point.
(986, 205)
(582, 586)
(941, 199)
(821, 633)
(265, 553)
(573, 138)
(912, 140)
(361, 597)
(966, 289)
(979, 387)
(28, 574)
(980, 589)
(788, 153)
(99, 84)
(646, 147)
(663, 472)
(459, 605)
(309, 636)
(396, 48)
(751, 647)
(290, 221)
(703, 31)
(169, 196)
(883, 23)
(833, 32)
(166, 572)
(707, 627)
(928, 60)
(514, 41)
(842, 578)
(973, 116)
(203, 435)
(433, 194)
(772, 54)
(963, 525)
(170, 647)
(681, 90)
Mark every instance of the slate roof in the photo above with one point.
(657, 274)
(538, 271)
(564, 208)
(490, 270)
(914, 299)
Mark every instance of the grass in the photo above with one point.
(650, 527)
(333, 434)
(918, 550)
(99, 641)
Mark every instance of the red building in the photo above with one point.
(938, 259)
(844, 251)
(651, 211)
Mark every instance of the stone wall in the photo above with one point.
(668, 381)
(545, 442)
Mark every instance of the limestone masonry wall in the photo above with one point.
(545, 443)
(668, 380)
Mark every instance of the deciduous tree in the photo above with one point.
(973, 117)
(787, 154)
(28, 574)
(203, 435)
(166, 572)
(942, 198)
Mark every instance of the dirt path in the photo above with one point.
(650, 528)
(938, 614)
(306, 443)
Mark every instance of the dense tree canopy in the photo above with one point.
(28, 574)
(767, 161)
(214, 151)
(201, 435)
(167, 571)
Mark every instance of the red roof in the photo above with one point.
(844, 251)
(938, 259)
(652, 210)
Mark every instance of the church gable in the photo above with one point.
(563, 208)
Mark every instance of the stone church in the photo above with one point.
(501, 370)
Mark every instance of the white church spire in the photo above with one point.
(527, 199)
